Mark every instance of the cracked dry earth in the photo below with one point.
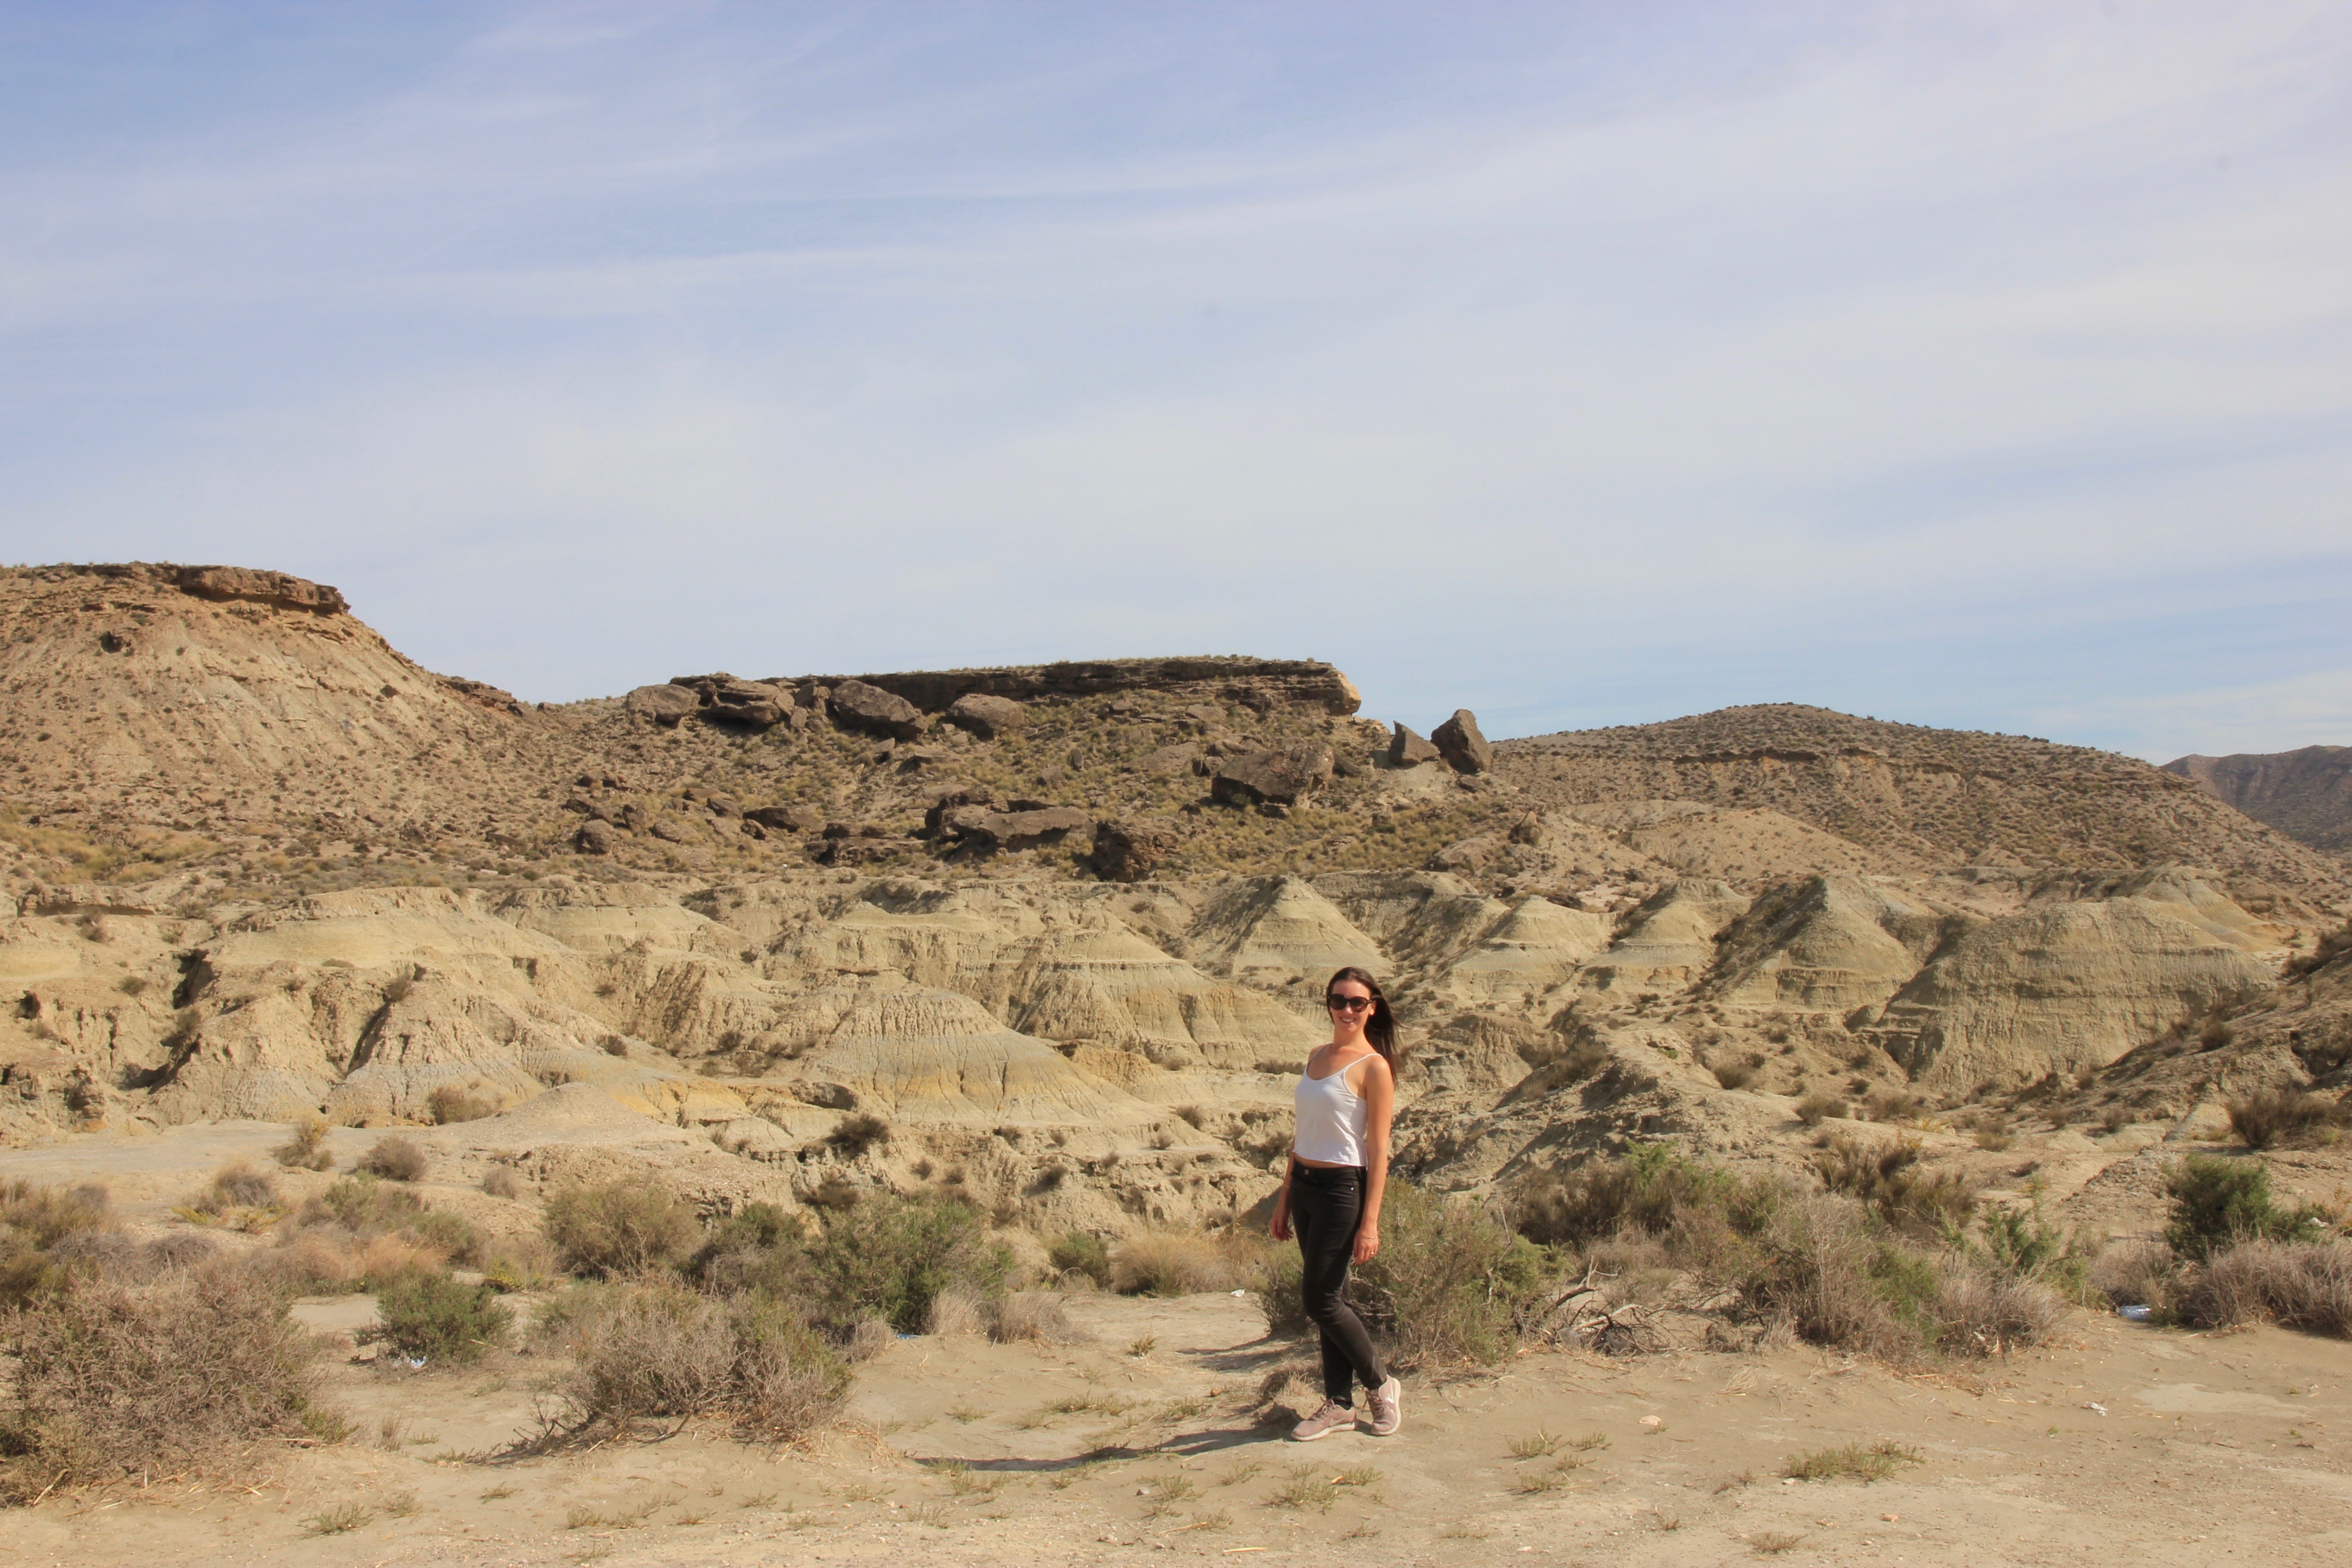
(2128, 1444)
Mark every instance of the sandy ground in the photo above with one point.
(2128, 1444)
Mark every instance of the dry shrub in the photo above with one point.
(619, 1228)
(238, 1196)
(1176, 1263)
(1889, 1177)
(395, 1159)
(656, 1349)
(502, 1183)
(1981, 1312)
(870, 1338)
(2134, 1274)
(305, 1148)
(2300, 1285)
(520, 1263)
(1644, 1193)
(955, 1313)
(449, 1103)
(1734, 1075)
(856, 1134)
(2282, 1116)
(1817, 1107)
(112, 1379)
(1036, 1317)
(36, 1222)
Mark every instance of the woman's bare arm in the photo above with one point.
(1279, 1228)
(1380, 1108)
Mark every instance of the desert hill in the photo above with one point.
(1923, 796)
(1059, 931)
(2305, 794)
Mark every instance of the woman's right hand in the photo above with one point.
(1280, 1227)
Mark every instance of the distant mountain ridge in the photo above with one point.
(2305, 794)
(1933, 797)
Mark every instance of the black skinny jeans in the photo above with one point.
(1326, 1206)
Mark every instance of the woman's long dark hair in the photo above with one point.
(1379, 1029)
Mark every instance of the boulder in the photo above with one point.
(789, 818)
(1132, 851)
(1014, 829)
(1281, 776)
(857, 706)
(985, 716)
(721, 805)
(665, 705)
(1465, 748)
(1407, 750)
(747, 703)
(596, 837)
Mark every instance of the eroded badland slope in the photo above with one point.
(1052, 940)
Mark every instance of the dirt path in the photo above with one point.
(2131, 1445)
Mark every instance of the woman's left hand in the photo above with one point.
(1368, 1242)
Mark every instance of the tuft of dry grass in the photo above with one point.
(1176, 1263)
(1032, 1317)
(1874, 1462)
(2301, 1285)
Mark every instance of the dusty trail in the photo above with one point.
(2129, 1444)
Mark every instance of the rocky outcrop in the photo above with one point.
(856, 705)
(1282, 777)
(984, 715)
(1274, 682)
(276, 589)
(1128, 851)
(667, 706)
(1407, 750)
(1463, 748)
(992, 830)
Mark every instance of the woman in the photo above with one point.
(1331, 1195)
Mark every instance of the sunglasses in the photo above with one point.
(1347, 1003)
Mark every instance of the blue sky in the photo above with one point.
(1986, 365)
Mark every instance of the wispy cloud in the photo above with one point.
(1966, 363)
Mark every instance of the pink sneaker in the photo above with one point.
(1388, 1409)
(1323, 1422)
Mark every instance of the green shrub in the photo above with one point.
(759, 1248)
(888, 1256)
(1081, 1252)
(2218, 1203)
(856, 1134)
(432, 1318)
(455, 1236)
(1449, 1281)
(620, 1228)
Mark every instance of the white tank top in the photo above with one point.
(1330, 1118)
